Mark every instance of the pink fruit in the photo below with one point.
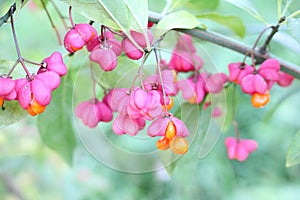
(105, 57)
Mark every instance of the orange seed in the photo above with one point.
(260, 100)
(179, 145)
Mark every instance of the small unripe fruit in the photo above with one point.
(78, 36)
(86, 31)
(73, 41)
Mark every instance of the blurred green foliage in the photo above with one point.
(32, 171)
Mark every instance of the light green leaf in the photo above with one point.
(293, 153)
(122, 76)
(247, 6)
(232, 22)
(13, 113)
(230, 106)
(118, 14)
(287, 4)
(209, 134)
(138, 12)
(180, 19)
(39, 3)
(168, 160)
(293, 25)
(55, 124)
(194, 5)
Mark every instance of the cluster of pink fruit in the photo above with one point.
(258, 82)
(34, 92)
(105, 48)
(152, 100)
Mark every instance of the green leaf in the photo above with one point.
(287, 4)
(194, 5)
(247, 6)
(117, 14)
(232, 22)
(230, 106)
(55, 124)
(39, 3)
(122, 76)
(293, 153)
(168, 160)
(180, 19)
(279, 101)
(209, 134)
(293, 25)
(13, 113)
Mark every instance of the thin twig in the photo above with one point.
(51, 22)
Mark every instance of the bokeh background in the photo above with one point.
(29, 170)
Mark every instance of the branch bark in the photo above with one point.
(234, 45)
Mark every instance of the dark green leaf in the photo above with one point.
(55, 124)
(234, 23)
(180, 19)
(293, 154)
(5, 17)
(5, 7)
